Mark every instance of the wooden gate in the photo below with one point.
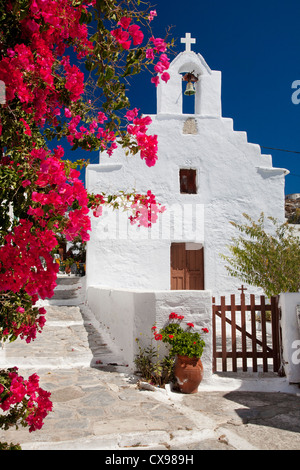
(241, 334)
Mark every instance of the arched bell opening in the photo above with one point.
(190, 92)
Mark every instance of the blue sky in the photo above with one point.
(256, 46)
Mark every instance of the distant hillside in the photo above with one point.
(292, 208)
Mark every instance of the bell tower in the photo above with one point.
(203, 85)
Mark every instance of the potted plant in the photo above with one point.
(68, 264)
(187, 346)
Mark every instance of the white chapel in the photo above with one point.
(207, 175)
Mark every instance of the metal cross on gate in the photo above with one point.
(242, 288)
(188, 40)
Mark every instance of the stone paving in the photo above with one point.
(99, 404)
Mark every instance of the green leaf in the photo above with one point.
(109, 74)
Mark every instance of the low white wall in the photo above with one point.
(290, 335)
(130, 314)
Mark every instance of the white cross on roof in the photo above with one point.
(188, 40)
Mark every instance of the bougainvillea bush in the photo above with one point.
(23, 402)
(64, 65)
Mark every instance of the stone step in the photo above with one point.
(68, 291)
(70, 338)
(68, 280)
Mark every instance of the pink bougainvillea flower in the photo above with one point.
(98, 212)
(26, 183)
(101, 117)
(27, 127)
(122, 37)
(159, 44)
(136, 34)
(165, 76)
(152, 15)
(124, 22)
(68, 113)
(20, 310)
(131, 114)
(159, 67)
(155, 80)
(150, 54)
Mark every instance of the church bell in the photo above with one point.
(190, 90)
(190, 78)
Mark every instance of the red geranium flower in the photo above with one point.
(173, 316)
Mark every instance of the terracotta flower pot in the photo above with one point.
(189, 373)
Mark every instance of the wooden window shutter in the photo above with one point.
(187, 181)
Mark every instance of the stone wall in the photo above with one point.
(130, 314)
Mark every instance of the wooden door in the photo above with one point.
(178, 266)
(194, 269)
(187, 268)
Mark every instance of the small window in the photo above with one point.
(188, 181)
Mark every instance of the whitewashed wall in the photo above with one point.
(130, 314)
(290, 335)
(233, 177)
